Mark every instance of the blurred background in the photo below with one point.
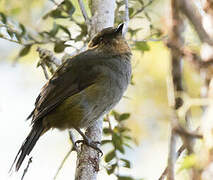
(146, 98)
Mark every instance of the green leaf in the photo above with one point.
(134, 31)
(64, 10)
(24, 51)
(111, 169)
(109, 156)
(117, 142)
(124, 177)
(55, 14)
(141, 2)
(131, 11)
(106, 141)
(123, 129)
(68, 6)
(107, 131)
(11, 33)
(124, 116)
(15, 11)
(127, 145)
(126, 163)
(79, 37)
(60, 46)
(18, 36)
(65, 30)
(142, 45)
(127, 137)
(188, 162)
(54, 30)
(3, 18)
(23, 30)
(116, 115)
(132, 81)
(83, 33)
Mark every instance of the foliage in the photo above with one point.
(119, 139)
(59, 34)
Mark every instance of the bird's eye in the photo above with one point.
(95, 41)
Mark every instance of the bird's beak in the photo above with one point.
(119, 28)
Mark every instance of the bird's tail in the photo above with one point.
(28, 144)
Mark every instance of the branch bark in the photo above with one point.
(189, 9)
(175, 85)
(88, 159)
(84, 13)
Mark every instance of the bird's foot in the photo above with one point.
(90, 143)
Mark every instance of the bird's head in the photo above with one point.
(110, 40)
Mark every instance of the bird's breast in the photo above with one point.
(84, 108)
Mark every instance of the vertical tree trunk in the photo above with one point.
(87, 165)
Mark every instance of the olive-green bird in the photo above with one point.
(82, 89)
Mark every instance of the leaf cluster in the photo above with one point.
(56, 36)
(120, 139)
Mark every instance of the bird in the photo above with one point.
(82, 89)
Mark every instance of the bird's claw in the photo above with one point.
(92, 144)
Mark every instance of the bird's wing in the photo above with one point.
(70, 78)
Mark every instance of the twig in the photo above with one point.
(192, 13)
(45, 71)
(174, 84)
(172, 149)
(73, 148)
(11, 40)
(126, 17)
(109, 123)
(148, 39)
(59, 5)
(55, 2)
(179, 152)
(26, 169)
(62, 163)
(142, 9)
(189, 102)
(48, 56)
(84, 13)
(183, 132)
(47, 59)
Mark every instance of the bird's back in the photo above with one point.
(111, 77)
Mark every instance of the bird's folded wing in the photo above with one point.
(71, 77)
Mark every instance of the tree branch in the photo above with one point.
(62, 163)
(142, 9)
(47, 59)
(175, 84)
(88, 159)
(126, 17)
(84, 13)
(192, 13)
(172, 156)
(164, 174)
